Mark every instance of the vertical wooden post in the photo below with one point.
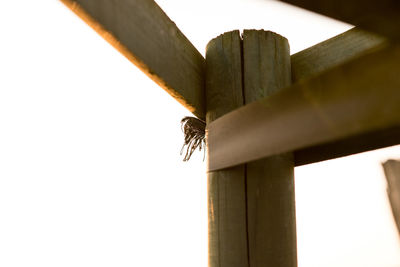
(226, 195)
(251, 207)
(270, 181)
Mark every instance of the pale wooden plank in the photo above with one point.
(350, 100)
(382, 17)
(143, 33)
(227, 234)
(270, 181)
(392, 172)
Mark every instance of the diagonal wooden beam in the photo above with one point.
(349, 101)
(392, 173)
(333, 52)
(382, 17)
(143, 33)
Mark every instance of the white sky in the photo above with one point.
(90, 172)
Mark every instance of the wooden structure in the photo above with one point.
(392, 172)
(267, 111)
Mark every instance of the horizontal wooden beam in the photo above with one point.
(142, 32)
(352, 100)
(382, 17)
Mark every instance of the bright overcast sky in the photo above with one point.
(90, 172)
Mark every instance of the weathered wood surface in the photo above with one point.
(143, 33)
(333, 52)
(323, 56)
(392, 172)
(226, 189)
(382, 17)
(354, 99)
(271, 217)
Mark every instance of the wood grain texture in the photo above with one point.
(392, 172)
(226, 189)
(355, 99)
(142, 32)
(333, 52)
(382, 17)
(269, 181)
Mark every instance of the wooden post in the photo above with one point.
(251, 206)
(270, 181)
(226, 195)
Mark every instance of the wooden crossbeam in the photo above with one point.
(333, 52)
(142, 32)
(349, 101)
(382, 16)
